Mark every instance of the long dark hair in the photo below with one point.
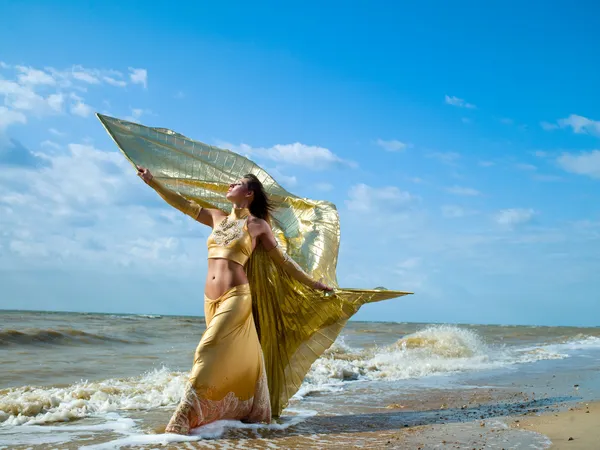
(260, 207)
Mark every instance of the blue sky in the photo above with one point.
(459, 144)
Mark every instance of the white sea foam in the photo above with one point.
(49, 434)
(435, 350)
(212, 430)
(42, 405)
(579, 342)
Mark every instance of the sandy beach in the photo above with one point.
(576, 428)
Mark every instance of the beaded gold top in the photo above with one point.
(230, 238)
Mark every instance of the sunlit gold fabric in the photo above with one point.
(295, 323)
(291, 267)
(230, 239)
(228, 379)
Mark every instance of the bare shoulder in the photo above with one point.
(258, 223)
(261, 230)
(259, 227)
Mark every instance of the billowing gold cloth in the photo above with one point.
(295, 323)
(228, 378)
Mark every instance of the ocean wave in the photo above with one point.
(577, 342)
(30, 405)
(134, 316)
(60, 336)
(435, 350)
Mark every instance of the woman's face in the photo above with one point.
(239, 191)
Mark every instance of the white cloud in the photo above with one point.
(459, 190)
(455, 101)
(507, 121)
(9, 117)
(486, 163)
(584, 163)
(55, 132)
(449, 158)
(325, 187)
(454, 211)
(514, 216)
(136, 114)
(55, 102)
(50, 144)
(86, 77)
(86, 208)
(392, 145)
(42, 92)
(138, 76)
(79, 107)
(310, 156)
(579, 125)
(24, 98)
(92, 76)
(179, 95)
(364, 198)
(527, 167)
(548, 126)
(287, 181)
(114, 82)
(28, 249)
(466, 120)
(29, 75)
(410, 263)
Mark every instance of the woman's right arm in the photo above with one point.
(178, 201)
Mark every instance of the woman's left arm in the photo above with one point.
(290, 266)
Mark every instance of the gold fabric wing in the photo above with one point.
(296, 324)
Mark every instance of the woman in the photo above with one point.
(295, 318)
(228, 379)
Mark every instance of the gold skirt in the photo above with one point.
(228, 378)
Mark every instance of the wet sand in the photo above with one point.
(576, 428)
(463, 419)
(441, 419)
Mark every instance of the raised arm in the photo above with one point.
(290, 266)
(178, 201)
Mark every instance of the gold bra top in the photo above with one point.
(230, 239)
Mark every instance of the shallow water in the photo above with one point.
(70, 380)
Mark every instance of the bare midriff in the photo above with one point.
(222, 275)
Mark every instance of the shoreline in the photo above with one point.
(470, 418)
(442, 419)
(574, 428)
